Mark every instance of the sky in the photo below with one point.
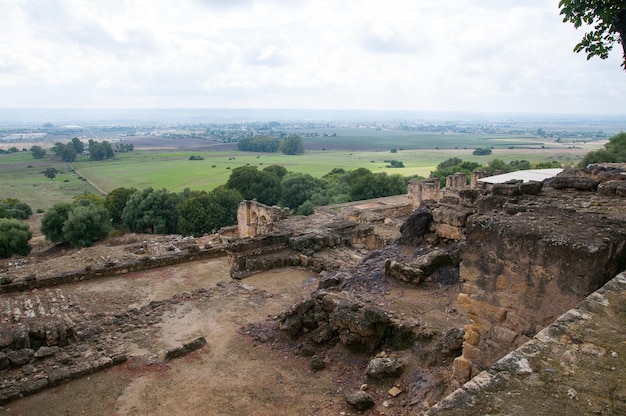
(415, 55)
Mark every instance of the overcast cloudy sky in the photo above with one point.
(444, 55)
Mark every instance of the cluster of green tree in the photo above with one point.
(265, 144)
(38, 152)
(614, 151)
(482, 151)
(456, 165)
(124, 147)
(160, 211)
(100, 150)
(14, 208)
(80, 223)
(14, 237)
(289, 145)
(14, 234)
(292, 145)
(12, 149)
(394, 163)
(194, 157)
(301, 192)
(69, 151)
(50, 172)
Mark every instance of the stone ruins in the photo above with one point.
(523, 254)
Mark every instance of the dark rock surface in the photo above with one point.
(360, 400)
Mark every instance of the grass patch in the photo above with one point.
(31, 186)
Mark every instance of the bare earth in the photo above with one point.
(237, 372)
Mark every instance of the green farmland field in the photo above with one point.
(171, 168)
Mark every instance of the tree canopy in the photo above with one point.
(252, 183)
(86, 224)
(50, 172)
(14, 208)
(115, 202)
(614, 151)
(38, 152)
(53, 220)
(292, 145)
(80, 224)
(203, 213)
(607, 21)
(258, 144)
(65, 152)
(100, 150)
(151, 211)
(14, 237)
(297, 188)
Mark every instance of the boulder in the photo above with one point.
(403, 272)
(359, 400)
(573, 179)
(613, 188)
(415, 227)
(451, 216)
(384, 367)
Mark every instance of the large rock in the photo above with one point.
(610, 188)
(451, 216)
(403, 271)
(573, 179)
(326, 316)
(384, 367)
(359, 400)
(517, 187)
(415, 227)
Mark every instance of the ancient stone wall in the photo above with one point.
(423, 190)
(457, 181)
(98, 271)
(525, 262)
(255, 218)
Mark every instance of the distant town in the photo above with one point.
(230, 126)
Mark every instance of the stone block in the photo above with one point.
(449, 232)
(450, 216)
(503, 335)
(462, 369)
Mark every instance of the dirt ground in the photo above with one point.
(238, 372)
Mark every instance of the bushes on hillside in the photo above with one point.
(14, 236)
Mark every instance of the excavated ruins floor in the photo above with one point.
(244, 368)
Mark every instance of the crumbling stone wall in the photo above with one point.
(310, 248)
(527, 260)
(255, 218)
(8, 284)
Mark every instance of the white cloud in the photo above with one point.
(467, 55)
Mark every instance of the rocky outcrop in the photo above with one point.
(327, 317)
(424, 267)
(573, 179)
(384, 367)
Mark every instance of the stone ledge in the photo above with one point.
(575, 366)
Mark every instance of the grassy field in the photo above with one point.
(175, 172)
(381, 139)
(21, 175)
